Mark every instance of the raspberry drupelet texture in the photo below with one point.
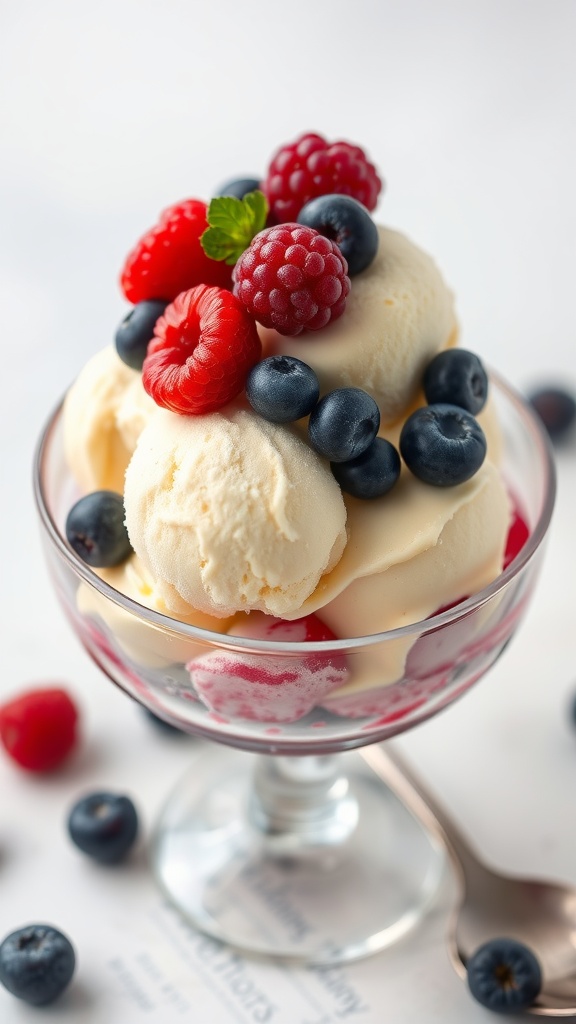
(311, 167)
(169, 258)
(292, 279)
(201, 352)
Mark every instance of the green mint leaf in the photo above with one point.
(258, 209)
(218, 245)
(233, 223)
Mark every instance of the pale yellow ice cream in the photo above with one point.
(466, 556)
(399, 314)
(417, 548)
(105, 411)
(439, 548)
(229, 513)
(140, 640)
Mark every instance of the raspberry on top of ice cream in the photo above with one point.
(293, 279)
(169, 258)
(204, 344)
(311, 166)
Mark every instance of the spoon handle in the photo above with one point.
(414, 794)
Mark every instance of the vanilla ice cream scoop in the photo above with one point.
(104, 412)
(232, 513)
(399, 314)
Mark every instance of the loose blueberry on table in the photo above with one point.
(556, 408)
(104, 826)
(36, 963)
(504, 976)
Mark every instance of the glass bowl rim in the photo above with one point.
(351, 644)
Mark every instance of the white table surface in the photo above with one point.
(108, 113)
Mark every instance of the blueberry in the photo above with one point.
(456, 376)
(371, 474)
(348, 223)
(343, 424)
(95, 529)
(504, 976)
(282, 389)
(239, 187)
(137, 330)
(556, 408)
(36, 963)
(442, 444)
(104, 826)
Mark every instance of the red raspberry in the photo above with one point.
(169, 259)
(268, 687)
(518, 534)
(38, 729)
(312, 167)
(201, 352)
(293, 279)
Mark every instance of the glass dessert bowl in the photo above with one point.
(298, 852)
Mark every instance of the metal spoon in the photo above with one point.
(542, 915)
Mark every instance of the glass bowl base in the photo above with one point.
(339, 871)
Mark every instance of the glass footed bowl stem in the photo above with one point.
(308, 860)
(305, 858)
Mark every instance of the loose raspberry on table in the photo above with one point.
(293, 279)
(169, 258)
(311, 166)
(201, 352)
(38, 729)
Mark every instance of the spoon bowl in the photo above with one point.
(539, 914)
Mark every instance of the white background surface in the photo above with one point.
(110, 112)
